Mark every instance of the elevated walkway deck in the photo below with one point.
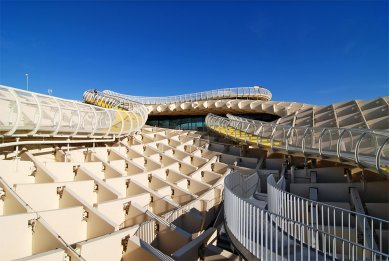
(25, 114)
(360, 147)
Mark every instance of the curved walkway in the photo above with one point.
(256, 93)
(288, 231)
(28, 114)
(362, 147)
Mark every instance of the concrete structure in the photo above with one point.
(85, 182)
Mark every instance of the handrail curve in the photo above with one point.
(270, 234)
(322, 215)
(255, 92)
(365, 148)
(28, 114)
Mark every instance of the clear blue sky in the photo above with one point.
(318, 52)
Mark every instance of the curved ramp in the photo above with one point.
(131, 112)
(29, 114)
(279, 232)
(255, 93)
(362, 147)
(239, 100)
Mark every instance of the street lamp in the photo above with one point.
(27, 80)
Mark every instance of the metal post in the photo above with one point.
(27, 81)
(67, 151)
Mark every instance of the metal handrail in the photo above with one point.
(273, 186)
(325, 216)
(255, 92)
(362, 147)
(109, 101)
(257, 122)
(28, 114)
(266, 234)
(146, 230)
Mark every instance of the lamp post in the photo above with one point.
(27, 80)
